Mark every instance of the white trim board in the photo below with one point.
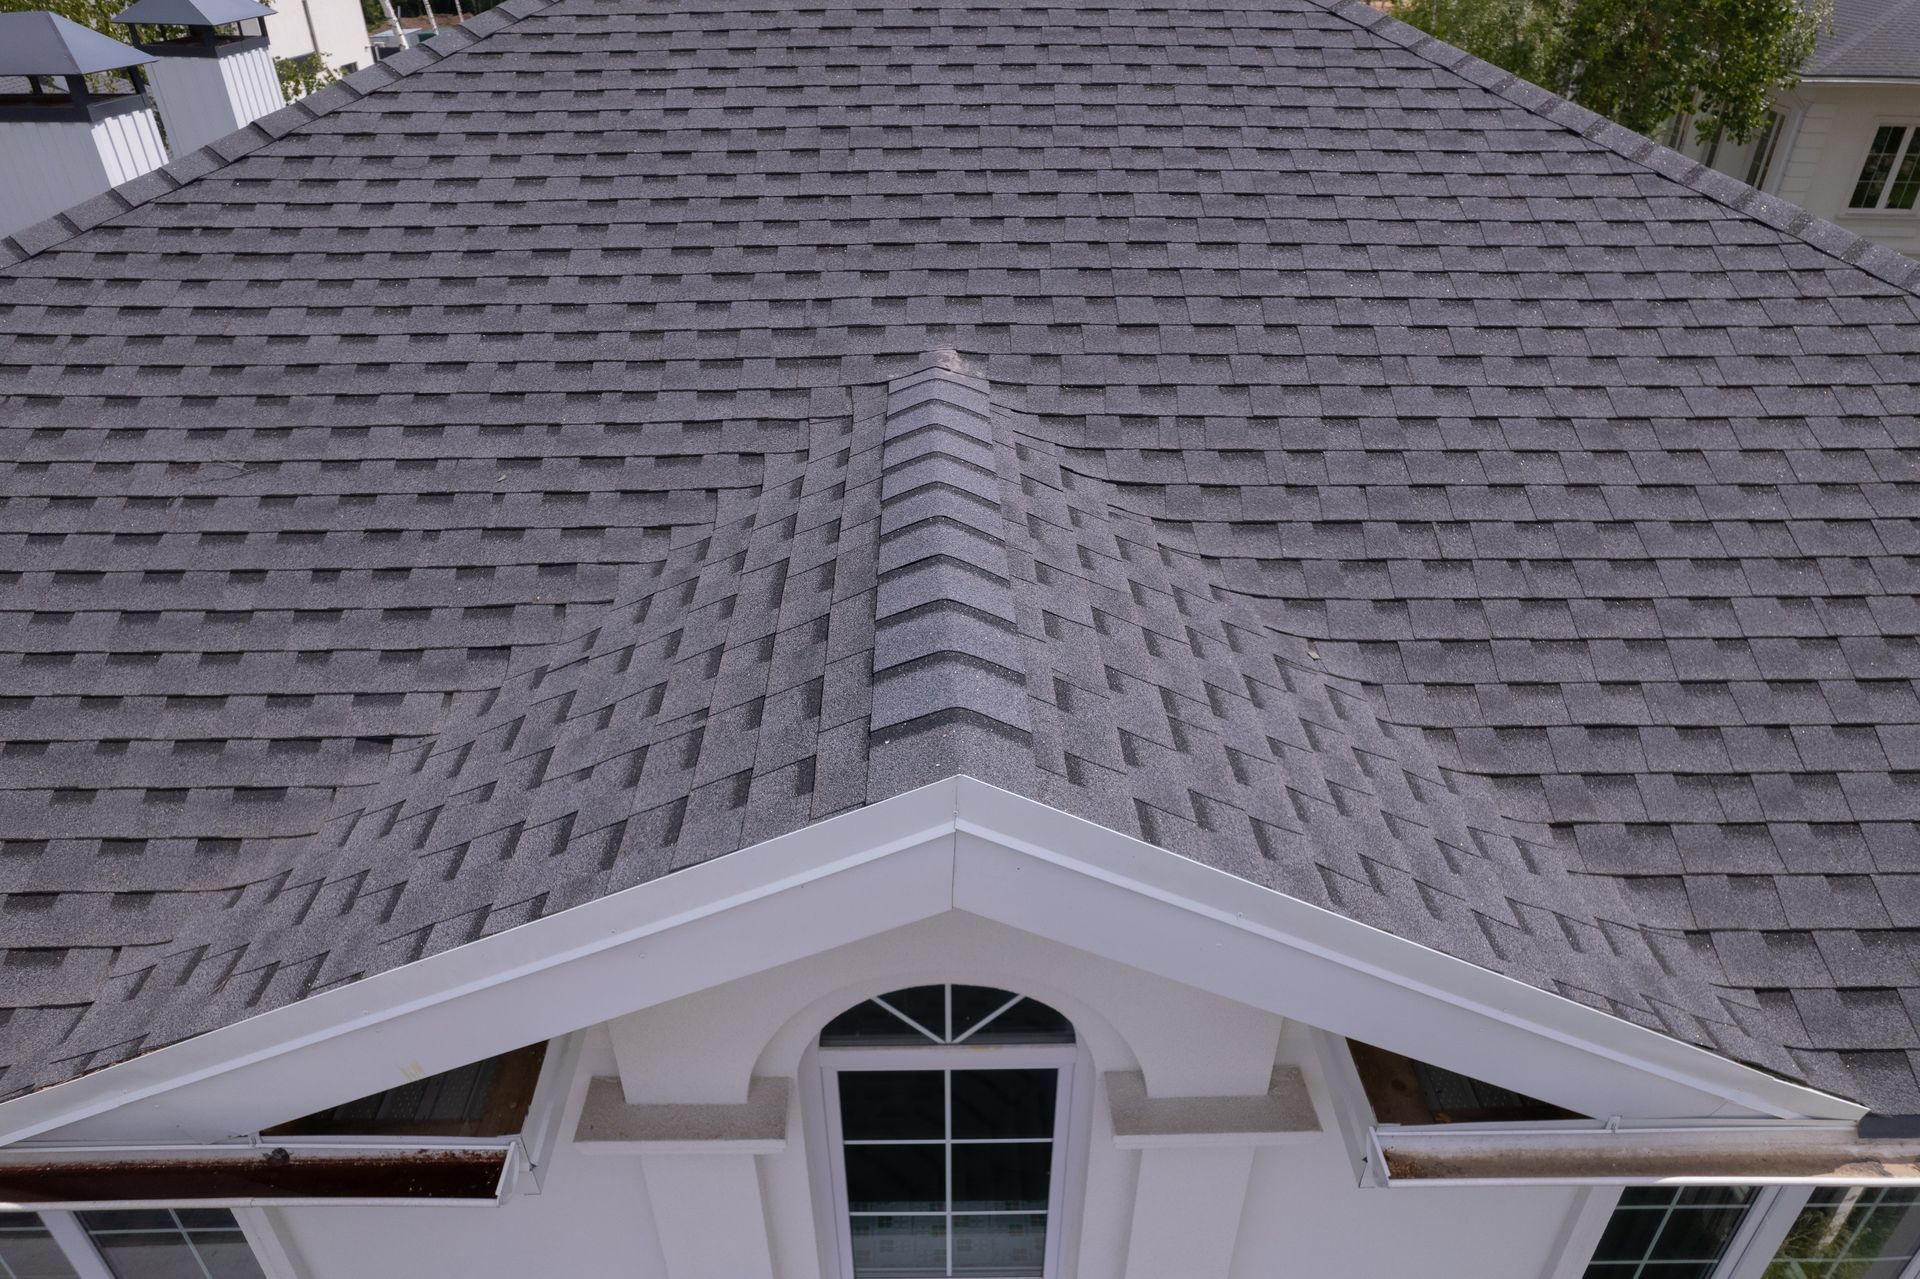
(955, 845)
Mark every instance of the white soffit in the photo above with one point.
(955, 845)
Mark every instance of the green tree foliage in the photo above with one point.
(302, 75)
(298, 76)
(1641, 62)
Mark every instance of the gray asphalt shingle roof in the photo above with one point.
(1358, 471)
(1870, 40)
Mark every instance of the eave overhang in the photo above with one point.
(956, 845)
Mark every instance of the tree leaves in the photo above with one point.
(1641, 62)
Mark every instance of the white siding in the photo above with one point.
(202, 99)
(337, 24)
(50, 166)
(1827, 132)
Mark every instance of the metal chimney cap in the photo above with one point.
(192, 13)
(37, 43)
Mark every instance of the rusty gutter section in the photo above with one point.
(1746, 1154)
(254, 1175)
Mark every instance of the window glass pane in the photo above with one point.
(191, 1243)
(896, 1178)
(1669, 1233)
(27, 1251)
(999, 1176)
(926, 1006)
(973, 1004)
(1850, 1233)
(1015, 1245)
(1003, 1103)
(1763, 150)
(1027, 1022)
(892, 1105)
(981, 1014)
(1906, 184)
(899, 1247)
(868, 1023)
(1879, 163)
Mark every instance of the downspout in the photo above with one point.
(313, 32)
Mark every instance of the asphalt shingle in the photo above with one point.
(1374, 478)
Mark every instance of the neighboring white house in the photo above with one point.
(336, 28)
(1844, 144)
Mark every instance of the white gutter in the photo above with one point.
(26, 1158)
(1623, 1153)
(1874, 81)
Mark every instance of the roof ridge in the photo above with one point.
(945, 645)
(1887, 265)
(244, 141)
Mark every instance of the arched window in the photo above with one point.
(946, 1111)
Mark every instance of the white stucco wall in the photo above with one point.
(337, 24)
(1288, 1210)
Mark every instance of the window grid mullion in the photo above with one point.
(1653, 1240)
(193, 1249)
(948, 1144)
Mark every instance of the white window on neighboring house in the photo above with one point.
(947, 1111)
(1664, 1232)
(1851, 1232)
(1890, 175)
(1763, 148)
(142, 1243)
(1746, 1232)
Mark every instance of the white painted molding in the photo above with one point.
(611, 1125)
(269, 1243)
(1187, 1206)
(1592, 1209)
(72, 1237)
(1283, 1116)
(547, 1110)
(1347, 1098)
(957, 844)
(1764, 1230)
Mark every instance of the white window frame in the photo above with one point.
(1072, 1067)
(84, 1256)
(1755, 1242)
(1766, 149)
(1879, 206)
(1768, 1222)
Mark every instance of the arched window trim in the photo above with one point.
(827, 1061)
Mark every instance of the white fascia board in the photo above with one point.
(1875, 82)
(957, 844)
